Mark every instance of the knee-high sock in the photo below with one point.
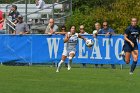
(70, 60)
(133, 66)
(59, 64)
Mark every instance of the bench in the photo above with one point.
(37, 16)
(56, 6)
(31, 8)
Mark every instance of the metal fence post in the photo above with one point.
(53, 9)
(71, 6)
(26, 11)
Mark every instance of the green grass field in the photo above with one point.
(43, 79)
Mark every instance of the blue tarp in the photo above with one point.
(49, 48)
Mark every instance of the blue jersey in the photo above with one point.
(132, 33)
(105, 31)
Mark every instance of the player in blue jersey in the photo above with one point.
(70, 40)
(131, 35)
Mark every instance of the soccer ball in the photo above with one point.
(89, 43)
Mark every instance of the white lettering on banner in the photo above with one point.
(96, 51)
(117, 48)
(82, 50)
(53, 44)
(107, 42)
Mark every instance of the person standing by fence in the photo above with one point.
(82, 32)
(21, 27)
(51, 28)
(106, 30)
(13, 13)
(2, 23)
(95, 33)
(1, 20)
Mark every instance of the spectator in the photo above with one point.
(107, 31)
(51, 28)
(1, 20)
(21, 26)
(40, 4)
(82, 31)
(13, 13)
(63, 30)
(95, 33)
(98, 29)
(2, 23)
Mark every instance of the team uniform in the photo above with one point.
(133, 34)
(69, 47)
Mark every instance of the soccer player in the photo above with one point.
(71, 40)
(132, 33)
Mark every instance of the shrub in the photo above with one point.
(117, 13)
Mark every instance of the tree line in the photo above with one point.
(87, 12)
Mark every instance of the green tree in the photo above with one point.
(117, 12)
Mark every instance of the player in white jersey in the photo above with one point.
(70, 40)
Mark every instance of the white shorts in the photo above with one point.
(67, 53)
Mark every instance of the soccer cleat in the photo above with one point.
(131, 73)
(69, 67)
(57, 70)
(122, 54)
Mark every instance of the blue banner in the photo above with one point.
(49, 48)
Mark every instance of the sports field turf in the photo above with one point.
(43, 79)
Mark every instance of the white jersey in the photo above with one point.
(72, 42)
(70, 46)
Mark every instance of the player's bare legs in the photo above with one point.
(71, 55)
(135, 59)
(60, 63)
(127, 57)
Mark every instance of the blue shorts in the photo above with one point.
(129, 48)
